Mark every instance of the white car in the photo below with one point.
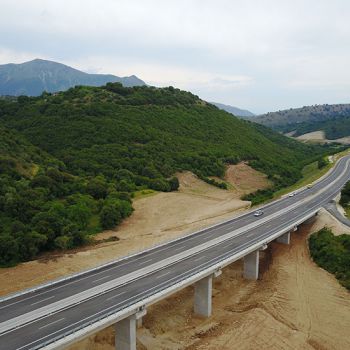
(258, 212)
(291, 194)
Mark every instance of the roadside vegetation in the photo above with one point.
(71, 162)
(332, 253)
(345, 198)
(311, 172)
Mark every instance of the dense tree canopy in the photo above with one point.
(70, 162)
(332, 253)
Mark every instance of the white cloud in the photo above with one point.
(243, 51)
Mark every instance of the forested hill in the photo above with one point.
(81, 154)
(334, 120)
(148, 131)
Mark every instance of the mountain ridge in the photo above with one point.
(334, 120)
(238, 112)
(33, 77)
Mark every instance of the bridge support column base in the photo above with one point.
(125, 337)
(284, 239)
(202, 296)
(251, 266)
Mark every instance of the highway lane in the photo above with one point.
(331, 207)
(25, 303)
(66, 320)
(120, 297)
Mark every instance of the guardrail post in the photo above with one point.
(284, 239)
(251, 265)
(202, 296)
(125, 333)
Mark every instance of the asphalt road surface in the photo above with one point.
(33, 334)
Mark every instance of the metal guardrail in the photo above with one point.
(156, 266)
(155, 246)
(189, 278)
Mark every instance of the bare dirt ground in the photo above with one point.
(293, 305)
(326, 219)
(156, 218)
(245, 179)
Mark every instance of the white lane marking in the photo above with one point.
(200, 258)
(64, 285)
(163, 274)
(40, 301)
(135, 296)
(313, 197)
(222, 225)
(144, 262)
(178, 248)
(100, 279)
(328, 176)
(49, 324)
(114, 296)
(290, 211)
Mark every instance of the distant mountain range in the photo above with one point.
(334, 120)
(243, 113)
(34, 77)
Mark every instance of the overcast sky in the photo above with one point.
(261, 55)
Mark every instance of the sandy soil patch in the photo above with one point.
(326, 219)
(157, 218)
(245, 179)
(293, 305)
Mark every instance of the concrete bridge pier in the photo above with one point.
(251, 266)
(202, 296)
(284, 239)
(125, 334)
(125, 331)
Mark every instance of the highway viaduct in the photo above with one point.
(59, 313)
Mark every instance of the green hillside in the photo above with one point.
(334, 129)
(150, 132)
(91, 148)
(332, 253)
(334, 120)
(44, 207)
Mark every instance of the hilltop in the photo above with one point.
(334, 120)
(34, 77)
(87, 150)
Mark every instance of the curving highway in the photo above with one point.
(53, 315)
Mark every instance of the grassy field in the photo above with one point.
(144, 193)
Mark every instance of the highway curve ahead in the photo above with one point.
(53, 313)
